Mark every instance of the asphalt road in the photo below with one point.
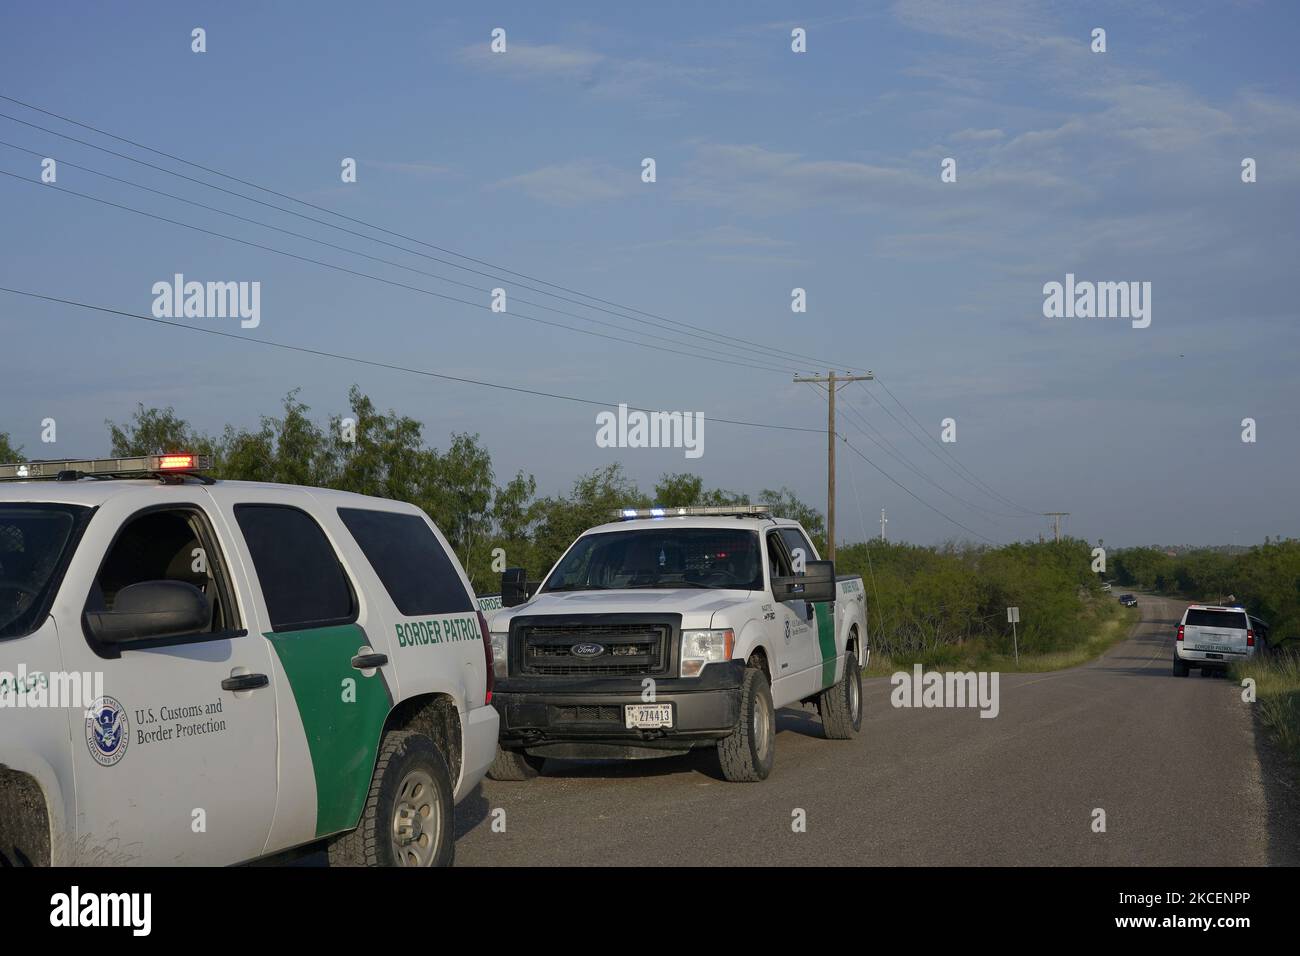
(1174, 764)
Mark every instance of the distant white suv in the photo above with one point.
(1212, 638)
(267, 666)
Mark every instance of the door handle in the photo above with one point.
(245, 682)
(363, 662)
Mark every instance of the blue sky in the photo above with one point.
(775, 170)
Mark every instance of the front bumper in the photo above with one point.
(584, 717)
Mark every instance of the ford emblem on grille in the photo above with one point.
(588, 650)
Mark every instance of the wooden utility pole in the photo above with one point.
(832, 382)
(1056, 517)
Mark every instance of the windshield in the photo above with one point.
(33, 539)
(661, 558)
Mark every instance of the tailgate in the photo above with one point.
(1218, 632)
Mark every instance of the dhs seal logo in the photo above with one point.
(107, 731)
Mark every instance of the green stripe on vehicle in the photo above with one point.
(826, 640)
(342, 732)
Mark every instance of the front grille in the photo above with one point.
(631, 649)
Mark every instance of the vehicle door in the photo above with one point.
(795, 640)
(431, 611)
(175, 763)
(329, 657)
(801, 550)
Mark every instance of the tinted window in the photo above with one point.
(406, 554)
(33, 539)
(778, 561)
(1225, 619)
(302, 580)
(794, 540)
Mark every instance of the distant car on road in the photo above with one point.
(1212, 638)
(1106, 587)
(1128, 600)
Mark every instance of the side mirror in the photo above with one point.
(148, 610)
(816, 584)
(514, 587)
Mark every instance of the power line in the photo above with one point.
(378, 364)
(761, 351)
(365, 255)
(907, 462)
(782, 353)
(857, 418)
(949, 461)
(904, 487)
(853, 448)
(367, 275)
(953, 458)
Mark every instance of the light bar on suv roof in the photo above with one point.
(143, 466)
(694, 511)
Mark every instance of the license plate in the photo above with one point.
(647, 716)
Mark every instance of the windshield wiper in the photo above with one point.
(577, 587)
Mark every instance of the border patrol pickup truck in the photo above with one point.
(206, 672)
(674, 629)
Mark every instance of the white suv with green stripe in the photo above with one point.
(676, 629)
(257, 667)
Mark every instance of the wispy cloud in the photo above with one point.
(762, 181)
(649, 80)
(412, 168)
(573, 183)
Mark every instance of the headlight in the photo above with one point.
(499, 653)
(705, 647)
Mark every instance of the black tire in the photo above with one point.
(515, 765)
(746, 755)
(409, 816)
(841, 704)
(1180, 667)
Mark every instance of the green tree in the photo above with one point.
(9, 452)
(786, 504)
(678, 491)
(154, 431)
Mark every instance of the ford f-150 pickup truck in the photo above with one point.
(673, 629)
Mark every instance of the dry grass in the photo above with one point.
(1277, 690)
(1105, 625)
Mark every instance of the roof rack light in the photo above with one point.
(695, 511)
(142, 466)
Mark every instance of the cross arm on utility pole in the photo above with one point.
(1056, 517)
(833, 383)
